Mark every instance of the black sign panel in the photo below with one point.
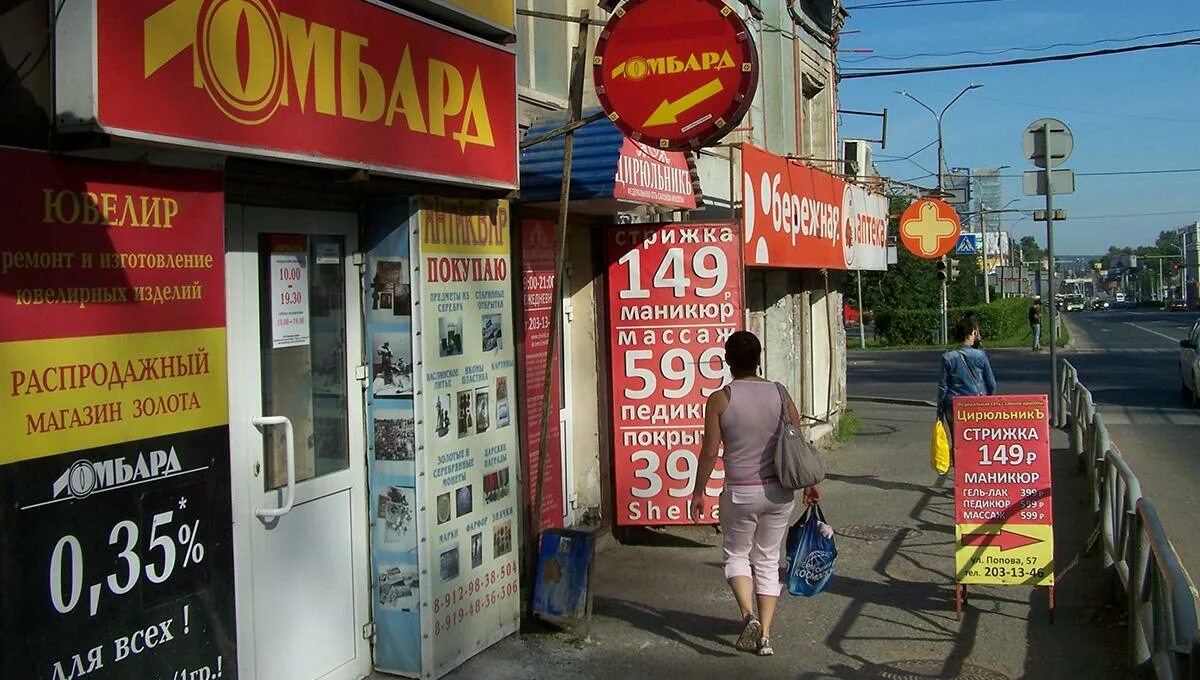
(117, 562)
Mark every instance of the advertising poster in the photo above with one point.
(391, 439)
(537, 272)
(115, 514)
(1003, 507)
(469, 449)
(289, 291)
(798, 216)
(674, 297)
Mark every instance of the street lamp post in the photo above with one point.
(941, 175)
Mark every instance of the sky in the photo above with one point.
(1128, 112)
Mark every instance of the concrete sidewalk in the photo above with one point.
(663, 610)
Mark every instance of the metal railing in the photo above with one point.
(1164, 641)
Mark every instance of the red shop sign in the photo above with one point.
(346, 83)
(649, 175)
(674, 295)
(800, 217)
(675, 74)
(929, 228)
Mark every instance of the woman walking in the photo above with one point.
(755, 509)
(966, 371)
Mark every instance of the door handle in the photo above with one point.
(289, 447)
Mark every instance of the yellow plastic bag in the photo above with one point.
(939, 449)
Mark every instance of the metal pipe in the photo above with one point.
(559, 17)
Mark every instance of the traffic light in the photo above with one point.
(1175, 266)
(941, 269)
(953, 270)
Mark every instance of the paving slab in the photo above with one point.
(662, 608)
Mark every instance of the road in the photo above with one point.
(1129, 360)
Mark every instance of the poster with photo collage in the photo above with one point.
(466, 390)
(391, 436)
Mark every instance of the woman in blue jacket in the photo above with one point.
(966, 372)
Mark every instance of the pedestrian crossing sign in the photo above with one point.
(966, 245)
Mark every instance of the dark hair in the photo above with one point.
(1037, 302)
(742, 352)
(963, 329)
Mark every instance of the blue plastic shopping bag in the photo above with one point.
(811, 555)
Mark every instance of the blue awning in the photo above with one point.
(595, 155)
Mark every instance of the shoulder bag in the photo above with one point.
(797, 463)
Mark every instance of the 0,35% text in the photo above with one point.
(157, 559)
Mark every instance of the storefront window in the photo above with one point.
(544, 49)
(304, 372)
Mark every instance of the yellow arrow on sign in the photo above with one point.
(668, 111)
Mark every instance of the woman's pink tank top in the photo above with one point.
(749, 429)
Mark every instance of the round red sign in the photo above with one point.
(929, 228)
(675, 74)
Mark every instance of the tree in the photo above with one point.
(912, 282)
(966, 291)
(1167, 242)
(1029, 252)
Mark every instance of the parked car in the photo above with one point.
(1177, 305)
(1189, 365)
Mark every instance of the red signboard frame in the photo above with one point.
(675, 293)
(675, 74)
(346, 83)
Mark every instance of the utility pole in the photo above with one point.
(987, 286)
(945, 305)
(1161, 296)
(862, 322)
(1050, 262)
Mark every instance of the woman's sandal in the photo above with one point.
(748, 641)
(764, 646)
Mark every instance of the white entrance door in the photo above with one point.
(299, 458)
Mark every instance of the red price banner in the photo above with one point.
(1002, 492)
(675, 295)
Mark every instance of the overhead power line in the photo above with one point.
(904, 4)
(1136, 172)
(1006, 50)
(881, 158)
(1145, 214)
(1120, 173)
(1019, 62)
